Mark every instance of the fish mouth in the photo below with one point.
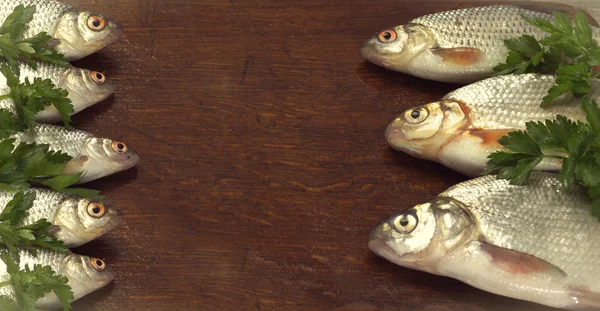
(382, 249)
(397, 140)
(116, 219)
(369, 51)
(133, 160)
(393, 134)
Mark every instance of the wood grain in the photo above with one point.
(263, 160)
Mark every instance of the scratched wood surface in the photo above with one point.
(263, 160)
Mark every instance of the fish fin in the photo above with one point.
(490, 137)
(52, 230)
(459, 56)
(584, 299)
(519, 263)
(566, 9)
(52, 43)
(74, 166)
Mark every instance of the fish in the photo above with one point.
(538, 242)
(94, 157)
(76, 33)
(85, 274)
(85, 87)
(77, 220)
(462, 129)
(458, 46)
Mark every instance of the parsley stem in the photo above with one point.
(5, 283)
(553, 157)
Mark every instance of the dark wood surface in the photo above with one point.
(263, 160)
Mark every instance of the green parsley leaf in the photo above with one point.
(569, 50)
(16, 210)
(9, 124)
(592, 113)
(520, 142)
(567, 173)
(30, 98)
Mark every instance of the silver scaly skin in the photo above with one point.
(85, 87)
(462, 129)
(537, 242)
(85, 274)
(458, 46)
(95, 157)
(78, 220)
(80, 33)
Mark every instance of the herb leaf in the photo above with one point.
(569, 50)
(13, 49)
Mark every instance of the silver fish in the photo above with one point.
(85, 87)
(79, 220)
(463, 128)
(95, 157)
(85, 274)
(459, 46)
(538, 242)
(79, 33)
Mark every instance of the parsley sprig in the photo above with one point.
(573, 55)
(30, 98)
(28, 164)
(569, 51)
(14, 49)
(575, 144)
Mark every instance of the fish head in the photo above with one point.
(86, 87)
(421, 131)
(419, 237)
(86, 274)
(394, 48)
(83, 33)
(102, 157)
(81, 220)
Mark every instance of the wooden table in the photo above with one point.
(263, 160)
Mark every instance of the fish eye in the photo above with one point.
(96, 23)
(96, 210)
(119, 147)
(416, 115)
(98, 77)
(97, 264)
(387, 36)
(405, 223)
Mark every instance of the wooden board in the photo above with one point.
(264, 166)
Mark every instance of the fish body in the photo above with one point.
(85, 87)
(462, 129)
(84, 274)
(79, 33)
(537, 242)
(458, 46)
(95, 157)
(79, 220)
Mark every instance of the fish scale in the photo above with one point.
(45, 204)
(46, 17)
(508, 102)
(58, 138)
(482, 27)
(544, 219)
